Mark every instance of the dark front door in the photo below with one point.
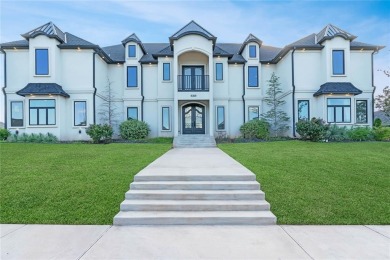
(193, 119)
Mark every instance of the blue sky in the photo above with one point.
(276, 23)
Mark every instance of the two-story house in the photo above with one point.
(57, 82)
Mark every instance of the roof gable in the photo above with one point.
(192, 28)
(330, 31)
(49, 29)
(249, 39)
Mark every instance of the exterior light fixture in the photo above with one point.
(79, 130)
(17, 131)
(304, 49)
(78, 48)
(14, 48)
(268, 63)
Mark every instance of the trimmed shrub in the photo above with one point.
(382, 134)
(314, 130)
(360, 134)
(33, 138)
(100, 133)
(337, 134)
(4, 133)
(255, 129)
(377, 122)
(134, 130)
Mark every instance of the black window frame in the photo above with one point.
(308, 108)
(48, 67)
(74, 112)
(257, 75)
(258, 112)
(22, 113)
(169, 72)
(128, 51)
(127, 112)
(162, 118)
(216, 71)
(136, 76)
(224, 119)
(342, 112)
(333, 72)
(255, 50)
(356, 110)
(45, 108)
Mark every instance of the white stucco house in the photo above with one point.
(192, 84)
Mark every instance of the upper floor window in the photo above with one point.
(253, 78)
(41, 62)
(338, 64)
(253, 112)
(132, 76)
(166, 71)
(218, 71)
(339, 110)
(80, 113)
(16, 113)
(252, 51)
(303, 110)
(42, 112)
(361, 111)
(131, 51)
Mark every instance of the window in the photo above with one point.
(252, 51)
(218, 71)
(303, 110)
(253, 76)
(132, 76)
(253, 113)
(338, 62)
(41, 62)
(361, 112)
(16, 113)
(80, 113)
(132, 113)
(42, 112)
(220, 118)
(166, 71)
(131, 51)
(339, 110)
(166, 121)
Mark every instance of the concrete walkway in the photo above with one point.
(194, 242)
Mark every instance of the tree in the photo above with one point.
(382, 102)
(275, 116)
(108, 110)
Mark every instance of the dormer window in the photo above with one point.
(131, 51)
(41, 62)
(252, 51)
(338, 64)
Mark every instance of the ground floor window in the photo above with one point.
(339, 110)
(17, 113)
(253, 112)
(132, 113)
(220, 118)
(361, 112)
(80, 113)
(166, 119)
(42, 112)
(303, 110)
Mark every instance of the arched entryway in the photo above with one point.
(193, 119)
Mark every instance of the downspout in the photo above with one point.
(293, 90)
(3, 89)
(243, 91)
(94, 87)
(373, 86)
(142, 93)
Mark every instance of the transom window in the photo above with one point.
(361, 112)
(17, 113)
(41, 62)
(166, 71)
(132, 113)
(80, 113)
(253, 78)
(131, 51)
(303, 110)
(252, 51)
(338, 64)
(339, 110)
(166, 119)
(132, 77)
(218, 71)
(42, 112)
(220, 118)
(253, 112)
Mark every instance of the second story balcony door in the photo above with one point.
(193, 79)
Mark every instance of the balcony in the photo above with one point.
(193, 83)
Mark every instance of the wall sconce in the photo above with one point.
(79, 130)
(17, 131)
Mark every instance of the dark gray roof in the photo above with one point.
(330, 31)
(268, 53)
(73, 40)
(115, 52)
(21, 43)
(365, 46)
(218, 51)
(192, 28)
(134, 38)
(49, 29)
(337, 88)
(167, 51)
(250, 38)
(307, 41)
(42, 89)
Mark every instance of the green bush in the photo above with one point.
(33, 138)
(134, 130)
(4, 133)
(360, 134)
(255, 129)
(382, 134)
(314, 130)
(100, 133)
(377, 122)
(337, 134)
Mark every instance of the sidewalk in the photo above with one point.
(194, 242)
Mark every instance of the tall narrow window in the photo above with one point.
(218, 71)
(166, 119)
(166, 71)
(41, 62)
(253, 78)
(361, 112)
(131, 51)
(339, 110)
(303, 110)
(16, 113)
(338, 62)
(42, 112)
(80, 113)
(132, 76)
(220, 118)
(132, 113)
(253, 112)
(252, 51)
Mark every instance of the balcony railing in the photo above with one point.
(193, 82)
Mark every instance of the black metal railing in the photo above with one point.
(193, 82)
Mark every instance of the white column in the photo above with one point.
(175, 111)
(211, 94)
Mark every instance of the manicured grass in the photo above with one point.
(321, 183)
(68, 183)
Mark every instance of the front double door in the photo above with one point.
(193, 119)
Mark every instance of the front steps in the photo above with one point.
(194, 141)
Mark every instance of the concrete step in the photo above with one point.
(194, 141)
(195, 185)
(195, 195)
(200, 177)
(194, 205)
(194, 218)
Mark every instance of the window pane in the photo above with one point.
(41, 62)
(42, 116)
(339, 114)
(132, 113)
(80, 113)
(220, 118)
(131, 50)
(42, 103)
(252, 51)
(303, 109)
(33, 116)
(253, 113)
(131, 76)
(166, 71)
(252, 76)
(347, 114)
(330, 114)
(51, 116)
(339, 101)
(165, 119)
(338, 62)
(361, 111)
(218, 71)
(17, 113)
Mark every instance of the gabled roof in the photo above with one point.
(250, 38)
(337, 88)
(72, 41)
(134, 38)
(49, 29)
(42, 89)
(192, 28)
(330, 31)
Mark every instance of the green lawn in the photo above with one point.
(68, 183)
(321, 183)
